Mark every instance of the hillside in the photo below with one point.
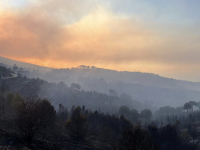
(9, 63)
(81, 72)
(144, 87)
(4, 72)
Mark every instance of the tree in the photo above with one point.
(191, 118)
(146, 114)
(33, 115)
(75, 86)
(113, 92)
(198, 105)
(136, 138)
(17, 102)
(63, 113)
(106, 136)
(187, 106)
(194, 134)
(15, 67)
(3, 89)
(124, 110)
(8, 107)
(134, 115)
(184, 135)
(9, 98)
(167, 110)
(77, 126)
(193, 103)
(170, 138)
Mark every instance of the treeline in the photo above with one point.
(134, 116)
(71, 95)
(34, 122)
(141, 86)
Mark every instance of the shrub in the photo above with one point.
(33, 115)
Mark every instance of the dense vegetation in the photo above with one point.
(71, 95)
(32, 122)
(158, 90)
(4, 72)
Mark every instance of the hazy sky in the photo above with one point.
(158, 36)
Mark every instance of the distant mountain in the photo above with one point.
(145, 87)
(148, 79)
(83, 74)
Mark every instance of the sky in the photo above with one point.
(156, 36)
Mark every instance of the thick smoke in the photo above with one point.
(69, 33)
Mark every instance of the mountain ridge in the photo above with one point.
(11, 62)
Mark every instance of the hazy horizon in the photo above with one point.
(26, 66)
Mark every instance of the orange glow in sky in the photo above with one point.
(46, 34)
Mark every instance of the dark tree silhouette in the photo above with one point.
(187, 106)
(124, 110)
(146, 114)
(77, 126)
(33, 115)
(113, 92)
(136, 138)
(75, 86)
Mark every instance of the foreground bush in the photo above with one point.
(33, 115)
